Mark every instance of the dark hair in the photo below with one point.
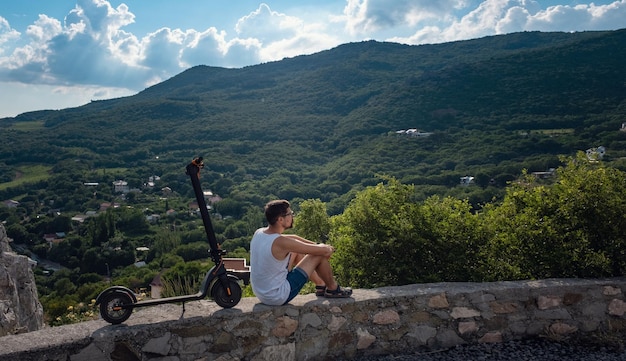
(275, 209)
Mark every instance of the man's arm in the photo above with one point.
(301, 239)
(284, 245)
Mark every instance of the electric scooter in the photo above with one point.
(117, 302)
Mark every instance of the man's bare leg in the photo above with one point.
(320, 266)
(314, 277)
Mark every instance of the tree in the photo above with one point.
(571, 228)
(193, 251)
(166, 241)
(312, 221)
(380, 238)
(454, 239)
(18, 233)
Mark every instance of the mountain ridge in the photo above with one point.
(337, 112)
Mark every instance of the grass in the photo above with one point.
(115, 171)
(28, 174)
(553, 132)
(28, 126)
(35, 173)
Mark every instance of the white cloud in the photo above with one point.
(493, 17)
(240, 52)
(267, 26)
(273, 36)
(7, 34)
(43, 30)
(365, 16)
(74, 53)
(161, 49)
(205, 48)
(579, 17)
(100, 18)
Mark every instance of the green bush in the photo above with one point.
(570, 227)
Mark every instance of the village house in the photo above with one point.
(151, 181)
(595, 154)
(106, 205)
(543, 175)
(120, 186)
(467, 180)
(54, 238)
(413, 133)
(11, 203)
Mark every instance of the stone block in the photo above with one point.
(386, 317)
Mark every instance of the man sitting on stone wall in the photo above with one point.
(273, 254)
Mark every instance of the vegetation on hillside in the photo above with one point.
(322, 131)
(570, 226)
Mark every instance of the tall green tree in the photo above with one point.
(380, 238)
(312, 221)
(166, 241)
(572, 228)
(454, 239)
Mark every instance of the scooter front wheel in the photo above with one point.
(226, 298)
(111, 308)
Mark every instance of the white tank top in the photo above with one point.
(268, 276)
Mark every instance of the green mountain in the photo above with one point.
(325, 125)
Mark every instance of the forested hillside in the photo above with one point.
(319, 127)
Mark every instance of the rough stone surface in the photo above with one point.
(20, 310)
(617, 307)
(386, 317)
(383, 321)
(365, 339)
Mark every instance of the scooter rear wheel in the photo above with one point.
(221, 296)
(111, 308)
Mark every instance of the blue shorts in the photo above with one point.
(297, 278)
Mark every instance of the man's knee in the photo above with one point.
(310, 262)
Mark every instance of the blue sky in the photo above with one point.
(56, 54)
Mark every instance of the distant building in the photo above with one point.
(152, 180)
(594, 154)
(546, 174)
(413, 133)
(214, 198)
(120, 186)
(82, 217)
(11, 203)
(467, 180)
(54, 238)
(106, 205)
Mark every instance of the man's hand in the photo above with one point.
(329, 251)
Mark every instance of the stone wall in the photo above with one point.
(376, 321)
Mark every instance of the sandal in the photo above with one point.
(340, 292)
(320, 290)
